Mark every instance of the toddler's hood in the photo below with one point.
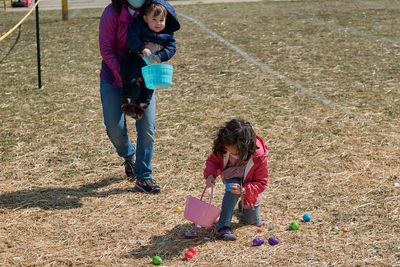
(172, 24)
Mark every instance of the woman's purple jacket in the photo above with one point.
(112, 42)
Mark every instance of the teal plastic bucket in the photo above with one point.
(158, 76)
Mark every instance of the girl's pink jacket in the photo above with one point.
(255, 175)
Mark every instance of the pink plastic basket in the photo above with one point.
(200, 212)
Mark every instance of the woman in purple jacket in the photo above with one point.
(112, 40)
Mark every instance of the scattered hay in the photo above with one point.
(64, 199)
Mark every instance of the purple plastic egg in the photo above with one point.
(258, 241)
(273, 241)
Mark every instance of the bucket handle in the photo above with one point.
(211, 195)
(145, 60)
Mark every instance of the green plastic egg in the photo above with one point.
(294, 225)
(157, 260)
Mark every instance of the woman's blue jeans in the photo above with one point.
(117, 132)
(250, 216)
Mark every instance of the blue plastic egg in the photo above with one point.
(306, 217)
(228, 187)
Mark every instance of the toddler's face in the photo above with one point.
(232, 149)
(155, 23)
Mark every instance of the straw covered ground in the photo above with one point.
(320, 83)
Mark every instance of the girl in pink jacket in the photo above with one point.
(240, 157)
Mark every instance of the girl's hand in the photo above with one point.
(210, 180)
(235, 189)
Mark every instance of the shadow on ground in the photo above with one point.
(57, 198)
(174, 243)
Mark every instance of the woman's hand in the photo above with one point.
(235, 189)
(210, 180)
(118, 79)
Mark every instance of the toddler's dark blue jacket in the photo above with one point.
(139, 32)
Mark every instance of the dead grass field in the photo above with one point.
(64, 200)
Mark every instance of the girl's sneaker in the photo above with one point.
(225, 233)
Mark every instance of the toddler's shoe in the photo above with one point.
(128, 107)
(140, 108)
(225, 233)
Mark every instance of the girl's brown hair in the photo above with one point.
(236, 132)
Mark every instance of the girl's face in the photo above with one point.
(155, 23)
(232, 149)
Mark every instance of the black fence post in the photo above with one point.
(38, 45)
